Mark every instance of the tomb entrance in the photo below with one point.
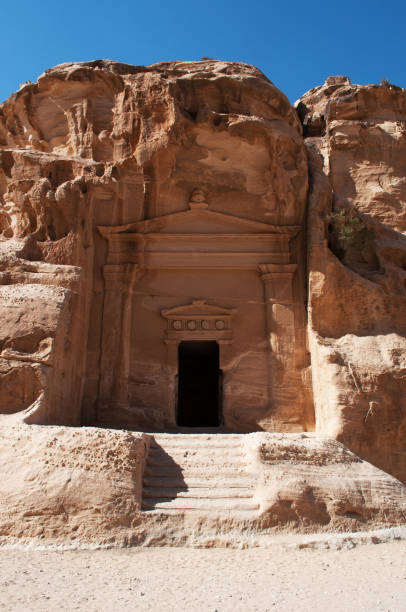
(199, 379)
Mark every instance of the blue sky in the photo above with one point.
(297, 44)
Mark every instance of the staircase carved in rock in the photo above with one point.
(192, 473)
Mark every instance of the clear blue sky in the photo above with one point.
(297, 44)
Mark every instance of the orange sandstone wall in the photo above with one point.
(356, 140)
(101, 144)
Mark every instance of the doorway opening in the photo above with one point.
(199, 381)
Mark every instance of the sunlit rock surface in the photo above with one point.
(143, 208)
(357, 266)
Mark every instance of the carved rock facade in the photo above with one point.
(145, 208)
(174, 186)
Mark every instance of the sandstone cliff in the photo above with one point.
(356, 140)
(103, 145)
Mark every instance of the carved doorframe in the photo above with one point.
(196, 321)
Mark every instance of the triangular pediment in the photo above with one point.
(198, 308)
(198, 221)
(203, 221)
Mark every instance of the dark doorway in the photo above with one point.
(199, 384)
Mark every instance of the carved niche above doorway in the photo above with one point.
(198, 321)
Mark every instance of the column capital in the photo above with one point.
(125, 273)
(272, 270)
(278, 282)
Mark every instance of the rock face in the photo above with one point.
(168, 202)
(61, 483)
(179, 247)
(83, 486)
(357, 266)
(38, 336)
(311, 483)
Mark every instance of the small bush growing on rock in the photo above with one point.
(386, 83)
(351, 240)
(350, 229)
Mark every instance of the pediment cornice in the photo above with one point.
(198, 308)
(199, 221)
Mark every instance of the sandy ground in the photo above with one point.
(368, 577)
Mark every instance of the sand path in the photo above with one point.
(368, 577)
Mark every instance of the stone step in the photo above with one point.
(204, 473)
(196, 492)
(231, 481)
(194, 442)
(181, 451)
(235, 515)
(194, 503)
(187, 462)
(199, 436)
(178, 449)
(193, 471)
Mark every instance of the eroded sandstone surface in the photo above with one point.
(83, 486)
(148, 189)
(61, 483)
(356, 138)
(188, 204)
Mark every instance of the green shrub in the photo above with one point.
(350, 230)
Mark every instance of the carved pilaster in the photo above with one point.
(280, 320)
(115, 354)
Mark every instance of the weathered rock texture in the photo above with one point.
(39, 378)
(61, 483)
(141, 190)
(356, 139)
(311, 483)
(145, 207)
(83, 486)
